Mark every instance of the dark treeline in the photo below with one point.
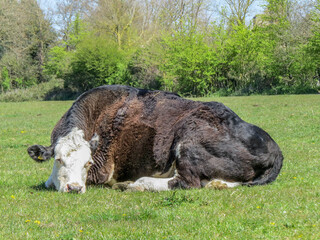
(162, 44)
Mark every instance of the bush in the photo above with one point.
(52, 90)
(97, 62)
(189, 64)
(58, 62)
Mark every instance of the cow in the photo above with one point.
(142, 140)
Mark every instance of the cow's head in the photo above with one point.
(73, 158)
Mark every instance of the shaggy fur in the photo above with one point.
(142, 133)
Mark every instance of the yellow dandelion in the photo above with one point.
(27, 221)
(37, 222)
(294, 177)
(273, 223)
(80, 230)
(300, 236)
(13, 197)
(124, 214)
(258, 207)
(23, 132)
(313, 225)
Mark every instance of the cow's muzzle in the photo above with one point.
(74, 188)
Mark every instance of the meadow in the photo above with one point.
(289, 208)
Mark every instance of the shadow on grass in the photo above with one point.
(42, 188)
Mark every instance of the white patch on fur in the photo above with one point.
(178, 151)
(72, 159)
(95, 137)
(150, 184)
(221, 182)
(168, 174)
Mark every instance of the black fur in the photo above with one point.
(40, 153)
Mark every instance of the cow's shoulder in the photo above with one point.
(221, 111)
(118, 90)
(145, 93)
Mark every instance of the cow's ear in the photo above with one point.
(40, 153)
(94, 142)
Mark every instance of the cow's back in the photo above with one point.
(144, 135)
(88, 108)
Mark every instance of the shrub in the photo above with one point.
(43, 91)
(96, 62)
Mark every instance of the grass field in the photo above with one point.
(287, 209)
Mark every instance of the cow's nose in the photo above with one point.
(74, 188)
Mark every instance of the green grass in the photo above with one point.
(287, 209)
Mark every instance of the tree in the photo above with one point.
(313, 45)
(25, 36)
(238, 11)
(288, 67)
(67, 14)
(117, 19)
(41, 35)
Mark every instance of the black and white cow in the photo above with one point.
(158, 140)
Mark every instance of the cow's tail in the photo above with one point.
(270, 174)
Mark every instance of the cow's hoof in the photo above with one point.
(122, 186)
(135, 189)
(216, 184)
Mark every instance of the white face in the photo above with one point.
(72, 163)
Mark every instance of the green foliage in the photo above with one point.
(25, 38)
(58, 62)
(162, 47)
(77, 32)
(286, 67)
(97, 62)
(60, 56)
(51, 90)
(189, 64)
(277, 14)
(312, 48)
(240, 60)
(143, 67)
(5, 82)
(246, 54)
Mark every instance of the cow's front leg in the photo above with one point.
(150, 184)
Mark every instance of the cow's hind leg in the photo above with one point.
(196, 167)
(189, 164)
